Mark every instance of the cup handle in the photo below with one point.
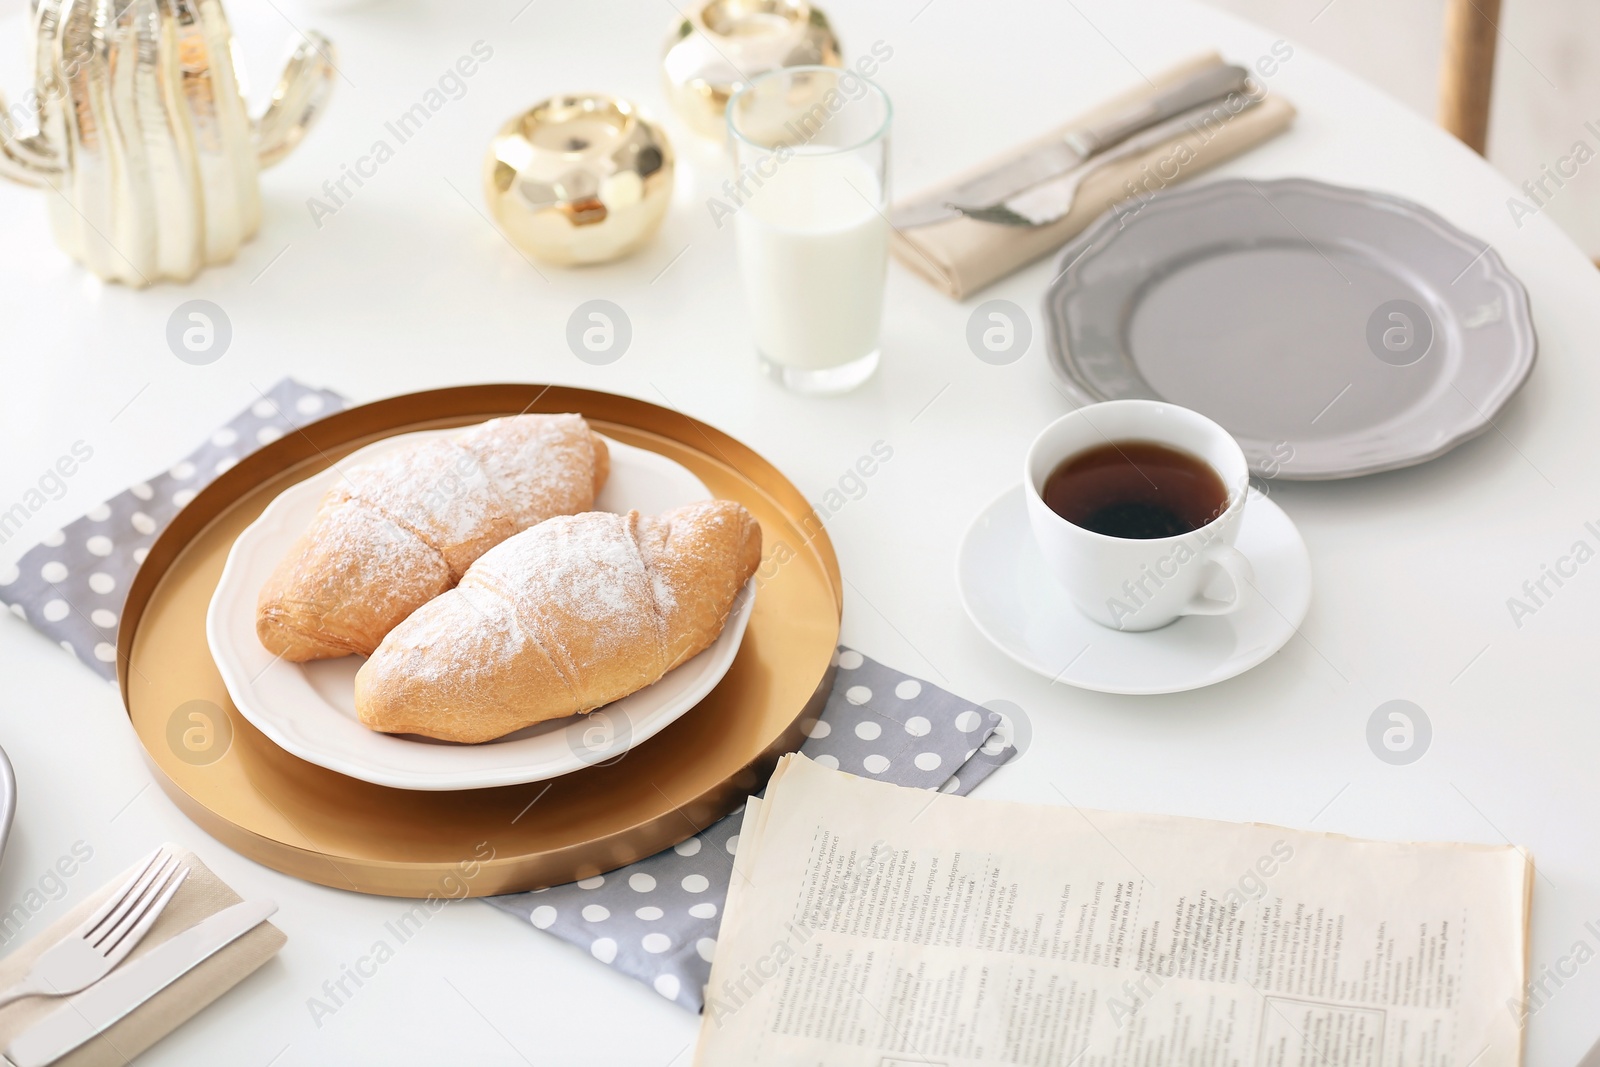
(1239, 571)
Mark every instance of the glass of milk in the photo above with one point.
(809, 193)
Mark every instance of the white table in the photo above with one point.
(408, 287)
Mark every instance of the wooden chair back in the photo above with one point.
(1466, 72)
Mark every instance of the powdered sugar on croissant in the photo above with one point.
(397, 532)
(563, 618)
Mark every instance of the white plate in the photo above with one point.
(1015, 602)
(309, 708)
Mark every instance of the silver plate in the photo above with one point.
(1334, 332)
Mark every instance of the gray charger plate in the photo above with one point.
(1334, 332)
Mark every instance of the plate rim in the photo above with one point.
(1246, 665)
(1520, 364)
(421, 780)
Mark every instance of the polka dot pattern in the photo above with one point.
(72, 584)
(663, 912)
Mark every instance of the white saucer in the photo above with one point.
(309, 708)
(1016, 603)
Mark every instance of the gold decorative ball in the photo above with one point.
(720, 43)
(579, 179)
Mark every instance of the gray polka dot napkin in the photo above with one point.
(72, 585)
(657, 920)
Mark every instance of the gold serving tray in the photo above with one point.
(324, 827)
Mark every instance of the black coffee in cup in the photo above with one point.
(1135, 489)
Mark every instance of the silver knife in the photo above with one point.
(1072, 149)
(1050, 200)
(111, 999)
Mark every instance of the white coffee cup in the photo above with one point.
(1142, 584)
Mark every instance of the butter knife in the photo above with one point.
(1012, 176)
(111, 999)
(1052, 199)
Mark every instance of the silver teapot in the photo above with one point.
(137, 125)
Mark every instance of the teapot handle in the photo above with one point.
(28, 160)
(298, 100)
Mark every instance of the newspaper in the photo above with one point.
(879, 926)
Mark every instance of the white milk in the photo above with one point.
(814, 252)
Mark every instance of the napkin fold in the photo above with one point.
(960, 256)
(657, 920)
(202, 895)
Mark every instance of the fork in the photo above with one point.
(88, 953)
(1052, 199)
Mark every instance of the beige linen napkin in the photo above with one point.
(202, 895)
(961, 256)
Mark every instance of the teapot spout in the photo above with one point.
(298, 100)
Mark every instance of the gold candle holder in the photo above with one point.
(720, 43)
(579, 179)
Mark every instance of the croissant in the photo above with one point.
(395, 533)
(572, 614)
